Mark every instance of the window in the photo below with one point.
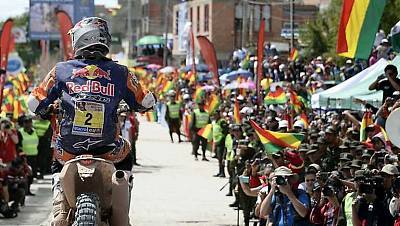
(176, 22)
(198, 19)
(206, 17)
(191, 14)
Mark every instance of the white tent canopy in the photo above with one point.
(342, 95)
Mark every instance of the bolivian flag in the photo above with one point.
(276, 97)
(213, 104)
(168, 85)
(294, 54)
(304, 119)
(274, 142)
(206, 132)
(358, 24)
(365, 122)
(236, 113)
(151, 116)
(198, 94)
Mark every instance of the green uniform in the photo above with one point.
(29, 142)
(217, 132)
(173, 110)
(347, 204)
(202, 118)
(230, 154)
(41, 126)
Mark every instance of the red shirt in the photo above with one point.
(254, 182)
(8, 147)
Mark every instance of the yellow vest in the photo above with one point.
(173, 110)
(29, 142)
(202, 118)
(230, 154)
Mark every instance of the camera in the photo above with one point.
(280, 180)
(327, 190)
(366, 188)
(244, 142)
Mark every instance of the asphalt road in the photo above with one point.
(170, 188)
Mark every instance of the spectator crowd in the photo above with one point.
(24, 156)
(344, 172)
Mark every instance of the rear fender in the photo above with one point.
(77, 178)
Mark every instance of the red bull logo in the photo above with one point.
(91, 72)
(93, 87)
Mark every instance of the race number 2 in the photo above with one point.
(89, 119)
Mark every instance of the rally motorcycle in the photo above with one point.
(95, 191)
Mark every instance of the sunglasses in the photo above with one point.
(310, 180)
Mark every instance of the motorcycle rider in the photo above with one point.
(90, 87)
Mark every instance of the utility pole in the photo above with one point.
(291, 24)
(166, 12)
(251, 22)
(129, 31)
(244, 22)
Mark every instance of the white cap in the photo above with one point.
(319, 58)
(299, 124)
(283, 123)
(348, 61)
(275, 57)
(384, 41)
(186, 96)
(246, 110)
(240, 97)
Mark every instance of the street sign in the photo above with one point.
(15, 64)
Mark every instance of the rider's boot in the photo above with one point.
(60, 204)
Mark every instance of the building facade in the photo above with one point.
(233, 24)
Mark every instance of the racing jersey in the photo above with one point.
(90, 92)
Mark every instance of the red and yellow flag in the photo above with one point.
(294, 54)
(236, 112)
(276, 97)
(212, 104)
(358, 24)
(206, 132)
(304, 119)
(274, 142)
(365, 122)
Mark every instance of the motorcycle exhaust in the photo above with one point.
(120, 198)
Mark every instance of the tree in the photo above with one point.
(390, 15)
(319, 36)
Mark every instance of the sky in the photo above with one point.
(17, 7)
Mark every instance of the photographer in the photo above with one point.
(9, 139)
(328, 207)
(388, 82)
(284, 204)
(17, 183)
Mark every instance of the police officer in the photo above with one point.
(220, 130)
(200, 119)
(173, 116)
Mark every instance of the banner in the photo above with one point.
(210, 57)
(193, 52)
(260, 55)
(65, 25)
(43, 20)
(5, 43)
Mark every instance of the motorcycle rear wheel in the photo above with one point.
(87, 210)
